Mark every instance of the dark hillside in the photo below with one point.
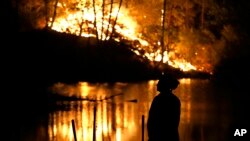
(63, 57)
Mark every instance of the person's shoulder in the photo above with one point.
(176, 98)
(157, 97)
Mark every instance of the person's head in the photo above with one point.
(167, 82)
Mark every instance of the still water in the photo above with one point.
(120, 110)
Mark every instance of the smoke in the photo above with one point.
(200, 48)
(197, 32)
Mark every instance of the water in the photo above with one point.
(207, 112)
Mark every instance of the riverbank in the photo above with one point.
(49, 56)
(39, 58)
(56, 56)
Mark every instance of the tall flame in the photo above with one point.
(105, 21)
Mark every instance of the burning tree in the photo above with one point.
(184, 34)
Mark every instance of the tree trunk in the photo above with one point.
(168, 27)
(97, 37)
(46, 14)
(54, 14)
(116, 17)
(81, 24)
(163, 30)
(103, 14)
(109, 21)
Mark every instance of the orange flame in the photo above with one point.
(89, 21)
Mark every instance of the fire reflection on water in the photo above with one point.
(60, 126)
(185, 99)
(118, 118)
(115, 116)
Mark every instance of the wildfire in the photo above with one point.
(105, 21)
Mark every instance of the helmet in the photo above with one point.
(167, 82)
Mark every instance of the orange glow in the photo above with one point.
(84, 89)
(71, 20)
(105, 119)
(81, 21)
(195, 111)
(114, 117)
(185, 81)
(62, 127)
(186, 99)
(118, 134)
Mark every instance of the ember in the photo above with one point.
(115, 20)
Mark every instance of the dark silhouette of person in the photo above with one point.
(164, 113)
